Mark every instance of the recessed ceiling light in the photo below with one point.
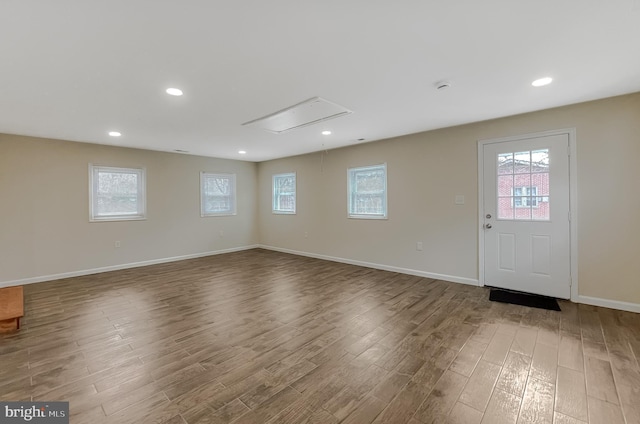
(326, 132)
(174, 91)
(114, 134)
(542, 81)
(242, 152)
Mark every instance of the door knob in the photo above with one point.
(487, 226)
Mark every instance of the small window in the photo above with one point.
(284, 193)
(116, 193)
(368, 192)
(523, 185)
(217, 194)
(524, 197)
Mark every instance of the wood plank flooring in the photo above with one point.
(264, 337)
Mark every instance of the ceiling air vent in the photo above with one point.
(302, 114)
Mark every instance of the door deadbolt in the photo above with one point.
(488, 216)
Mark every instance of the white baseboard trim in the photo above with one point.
(452, 278)
(588, 300)
(612, 304)
(51, 277)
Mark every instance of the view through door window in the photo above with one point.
(523, 185)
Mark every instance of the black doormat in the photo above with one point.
(524, 299)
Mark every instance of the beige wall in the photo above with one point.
(44, 213)
(427, 170)
(45, 230)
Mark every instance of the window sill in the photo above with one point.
(378, 217)
(115, 219)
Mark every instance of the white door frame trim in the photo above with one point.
(573, 200)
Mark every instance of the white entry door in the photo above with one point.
(526, 215)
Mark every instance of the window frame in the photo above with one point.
(350, 211)
(233, 195)
(274, 210)
(141, 194)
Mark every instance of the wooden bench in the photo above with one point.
(11, 308)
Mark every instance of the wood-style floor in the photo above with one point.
(264, 337)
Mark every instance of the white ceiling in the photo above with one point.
(77, 69)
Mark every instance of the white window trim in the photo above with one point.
(385, 214)
(142, 197)
(273, 194)
(232, 177)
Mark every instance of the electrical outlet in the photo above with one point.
(419, 245)
(306, 234)
(221, 233)
(117, 243)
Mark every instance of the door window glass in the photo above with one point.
(523, 185)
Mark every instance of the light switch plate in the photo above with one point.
(459, 199)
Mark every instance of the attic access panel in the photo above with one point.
(308, 112)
